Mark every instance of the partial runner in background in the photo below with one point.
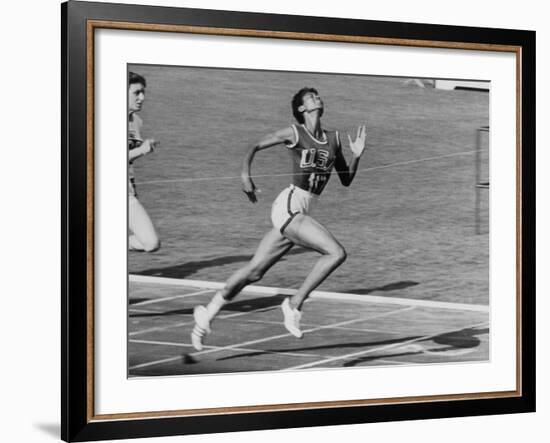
(143, 236)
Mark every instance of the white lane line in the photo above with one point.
(395, 362)
(266, 290)
(160, 328)
(145, 311)
(189, 345)
(378, 349)
(275, 337)
(432, 304)
(191, 322)
(156, 362)
(173, 297)
(341, 328)
(172, 359)
(374, 168)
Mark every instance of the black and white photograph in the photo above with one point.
(291, 221)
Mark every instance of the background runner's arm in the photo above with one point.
(145, 148)
(347, 172)
(286, 135)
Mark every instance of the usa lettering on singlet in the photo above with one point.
(312, 159)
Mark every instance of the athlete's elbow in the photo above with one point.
(346, 178)
(253, 149)
(250, 153)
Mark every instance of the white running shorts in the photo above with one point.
(289, 203)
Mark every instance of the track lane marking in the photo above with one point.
(380, 348)
(189, 345)
(266, 290)
(173, 297)
(145, 311)
(192, 322)
(275, 337)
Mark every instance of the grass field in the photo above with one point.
(407, 221)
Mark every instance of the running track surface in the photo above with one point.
(341, 330)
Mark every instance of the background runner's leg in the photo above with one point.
(145, 235)
(135, 244)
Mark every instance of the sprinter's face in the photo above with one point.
(312, 101)
(136, 97)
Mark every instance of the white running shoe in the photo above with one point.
(201, 328)
(292, 319)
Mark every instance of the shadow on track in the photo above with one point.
(323, 347)
(385, 288)
(453, 341)
(186, 269)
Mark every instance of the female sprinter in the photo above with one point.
(314, 152)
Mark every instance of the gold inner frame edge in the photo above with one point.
(92, 25)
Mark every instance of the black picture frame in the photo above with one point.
(79, 19)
